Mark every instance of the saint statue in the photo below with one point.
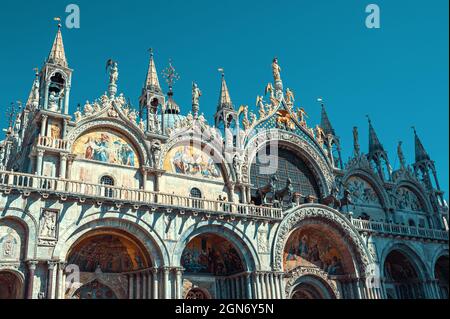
(401, 156)
(356, 140)
(196, 94)
(113, 71)
(276, 70)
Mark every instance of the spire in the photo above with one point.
(152, 81)
(171, 76)
(374, 142)
(421, 153)
(325, 122)
(225, 98)
(57, 54)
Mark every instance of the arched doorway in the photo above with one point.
(214, 264)
(11, 286)
(312, 287)
(317, 260)
(94, 290)
(106, 258)
(441, 270)
(402, 278)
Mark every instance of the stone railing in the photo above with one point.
(399, 230)
(103, 193)
(53, 143)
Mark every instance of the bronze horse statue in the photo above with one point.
(269, 188)
(287, 191)
(333, 201)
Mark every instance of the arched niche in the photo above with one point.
(402, 276)
(213, 255)
(314, 244)
(312, 287)
(106, 146)
(109, 251)
(13, 240)
(441, 274)
(11, 285)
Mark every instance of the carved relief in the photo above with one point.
(362, 193)
(407, 200)
(48, 228)
(263, 242)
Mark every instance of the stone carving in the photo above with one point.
(48, 230)
(362, 192)
(263, 242)
(9, 245)
(406, 199)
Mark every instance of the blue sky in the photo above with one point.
(397, 74)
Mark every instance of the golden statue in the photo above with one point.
(290, 98)
(276, 70)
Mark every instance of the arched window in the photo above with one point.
(412, 223)
(290, 166)
(107, 182)
(196, 193)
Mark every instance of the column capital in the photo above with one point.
(32, 264)
(44, 116)
(51, 264)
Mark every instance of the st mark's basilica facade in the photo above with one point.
(115, 202)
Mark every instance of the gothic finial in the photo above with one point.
(325, 120)
(421, 153)
(225, 98)
(356, 147)
(57, 54)
(152, 81)
(401, 156)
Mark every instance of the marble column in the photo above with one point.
(166, 283)
(60, 284)
(39, 161)
(248, 286)
(44, 125)
(277, 286)
(138, 286)
(63, 166)
(267, 283)
(31, 272)
(179, 283)
(255, 288)
(50, 279)
(262, 286)
(131, 286)
(155, 283)
(272, 286)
